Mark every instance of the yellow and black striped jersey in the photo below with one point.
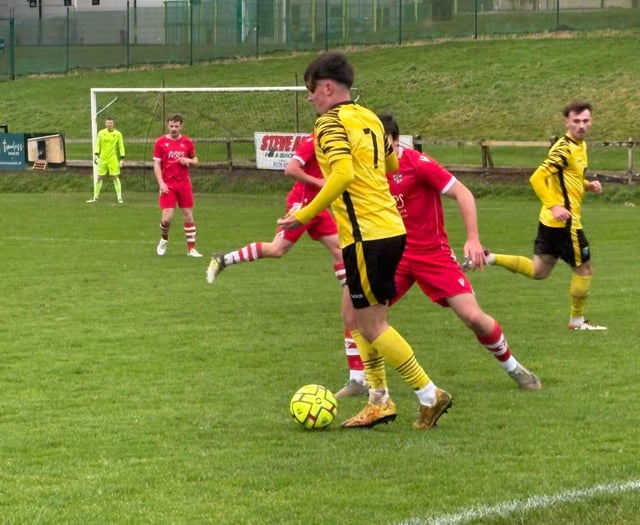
(366, 210)
(560, 180)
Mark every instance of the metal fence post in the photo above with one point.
(326, 25)
(127, 37)
(400, 22)
(12, 49)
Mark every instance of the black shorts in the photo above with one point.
(371, 267)
(567, 244)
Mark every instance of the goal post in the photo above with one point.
(218, 119)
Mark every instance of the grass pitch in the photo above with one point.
(133, 392)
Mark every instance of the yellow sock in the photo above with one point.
(373, 362)
(399, 354)
(515, 264)
(579, 291)
(118, 187)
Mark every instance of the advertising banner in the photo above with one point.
(273, 150)
(12, 151)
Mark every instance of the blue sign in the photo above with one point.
(12, 151)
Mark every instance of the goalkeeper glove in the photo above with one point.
(95, 159)
(121, 162)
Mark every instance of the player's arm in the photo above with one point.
(96, 150)
(188, 161)
(118, 152)
(121, 146)
(540, 186)
(157, 171)
(341, 177)
(467, 206)
(391, 163)
(190, 158)
(295, 170)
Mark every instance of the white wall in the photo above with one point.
(55, 8)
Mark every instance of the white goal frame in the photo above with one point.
(95, 111)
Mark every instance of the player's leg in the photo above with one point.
(324, 230)
(97, 188)
(167, 203)
(578, 256)
(113, 169)
(513, 263)
(544, 259)
(190, 231)
(117, 185)
(490, 335)
(357, 383)
(354, 344)
(370, 291)
(282, 242)
(185, 203)
(278, 247)
(380, 408)
(440, 277)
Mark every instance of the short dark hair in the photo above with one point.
(177, 117)
(390, 125)
(332, 65)
(578, 106)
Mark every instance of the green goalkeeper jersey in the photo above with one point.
(109, 145)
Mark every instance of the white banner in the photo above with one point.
(273, 150)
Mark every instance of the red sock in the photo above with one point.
(247, 253)
(354, 361)
(164, 230)
(190, 234)
(496, 343)
(341, 274)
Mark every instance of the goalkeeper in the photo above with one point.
(109, 157)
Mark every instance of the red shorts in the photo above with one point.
(322, 225)
(180, 193)
(437, 273)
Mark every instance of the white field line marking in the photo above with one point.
(534, 502)
(76, 239)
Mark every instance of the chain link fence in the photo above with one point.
(37, 37)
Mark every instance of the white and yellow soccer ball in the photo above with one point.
(313, 406)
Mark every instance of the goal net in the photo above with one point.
(221, 121)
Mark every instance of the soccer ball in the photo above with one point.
(313, 406)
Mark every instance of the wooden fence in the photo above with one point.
(484, 147)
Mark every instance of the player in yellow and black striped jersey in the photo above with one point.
(367, 210)
(354, 154)
(560, 180)
(560, 184)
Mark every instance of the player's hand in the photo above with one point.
(474, 258)
(560, 213)
(121, 163)
(289, 222)
(96, 160)
(163, 187)
(595, 186)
